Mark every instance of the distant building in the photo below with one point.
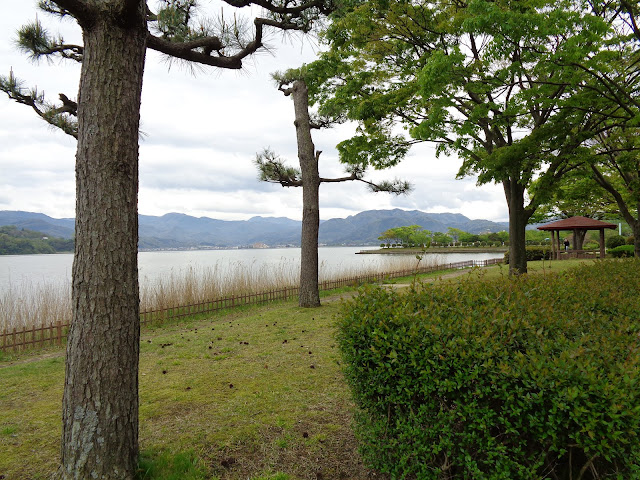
(260, 245)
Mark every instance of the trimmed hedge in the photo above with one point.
(615, 241)
(622, 251)
(533, 253)
(518, 378)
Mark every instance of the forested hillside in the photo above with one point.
(15, 241)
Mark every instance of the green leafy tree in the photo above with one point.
(609, 92)
(616, 168)
(480, 79)
(466, 237)
(421, 238)
(440, 238)
(455, 234)
(413, 234)
(273, 169)
(100, 402)
(577, 194)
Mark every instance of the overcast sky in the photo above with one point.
(202, 131)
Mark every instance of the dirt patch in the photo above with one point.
(304, 451)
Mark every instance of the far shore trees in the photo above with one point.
(100, 403)
(272, 169)
(407, 236)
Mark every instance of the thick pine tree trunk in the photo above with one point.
(518, 217)
(309, 292)
(100, 404)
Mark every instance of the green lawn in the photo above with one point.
(247, 394)
(253, 394)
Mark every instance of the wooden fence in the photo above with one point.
(54, 334)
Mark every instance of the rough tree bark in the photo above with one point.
(518, 218)
(100, 403)
(308, 157)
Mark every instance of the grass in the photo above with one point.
(252, 394)
(255, 393)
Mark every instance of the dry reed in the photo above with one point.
(29, 304)
(32, 305)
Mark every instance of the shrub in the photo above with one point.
(622, 251)
(591, 246)
(615, 241)
(524, 378)
(631, 240)
(533, 253)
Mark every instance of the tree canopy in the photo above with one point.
(493, 82)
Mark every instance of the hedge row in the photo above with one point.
(533, 253)
(622, 251)
(525, 378)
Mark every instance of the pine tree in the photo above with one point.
(273, 169)
(100, 403)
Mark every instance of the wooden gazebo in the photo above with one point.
(574, 224)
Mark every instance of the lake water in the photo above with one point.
(19, 270)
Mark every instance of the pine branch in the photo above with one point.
(56, 116)
(396, 187)
(272, 169)
(220, 43)
(322, 6)
(34, 40)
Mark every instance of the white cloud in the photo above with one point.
(202, 132)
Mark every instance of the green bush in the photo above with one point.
(533, 253)
(525, 378)
(622, 251)
(631, 240)
(591, 246)
(615, 241)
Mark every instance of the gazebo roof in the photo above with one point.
(577, 223)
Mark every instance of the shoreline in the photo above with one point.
(434, 250)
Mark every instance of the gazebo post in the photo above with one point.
(575, 240)
(559, 246)
(553, 246)
(602, 254)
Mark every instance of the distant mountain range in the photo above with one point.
(176, 230)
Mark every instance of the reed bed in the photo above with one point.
(34, 304)
(198, 284)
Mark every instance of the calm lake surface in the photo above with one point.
(33, 270)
